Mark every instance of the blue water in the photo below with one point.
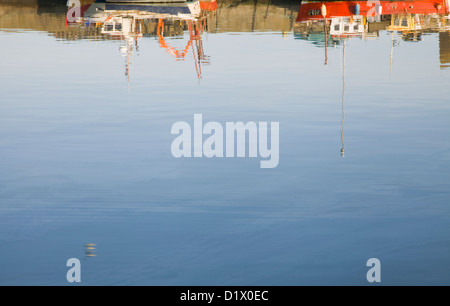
(85, 158)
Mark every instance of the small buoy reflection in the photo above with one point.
(90, 250)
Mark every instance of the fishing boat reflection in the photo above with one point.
(130, 22)
(364, 19)
(333, 23)
(330, 23)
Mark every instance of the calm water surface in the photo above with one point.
(85, 146)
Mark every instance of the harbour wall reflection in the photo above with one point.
(231, 16)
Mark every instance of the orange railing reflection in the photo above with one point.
(195, 29)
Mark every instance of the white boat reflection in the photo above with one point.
(125, 22)
(102, 12)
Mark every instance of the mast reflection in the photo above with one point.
(332, 23)
(130, 22)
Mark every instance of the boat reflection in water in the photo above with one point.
(128, 23)
(330, 22)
